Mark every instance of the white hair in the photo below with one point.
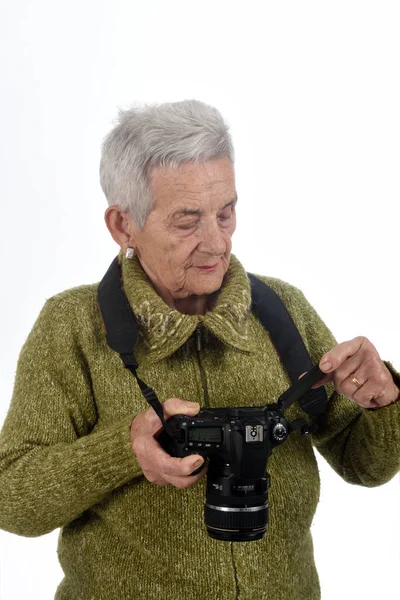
(166, 135)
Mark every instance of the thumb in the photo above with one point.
(176, 406)
(324, 380)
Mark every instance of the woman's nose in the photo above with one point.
(213, 240)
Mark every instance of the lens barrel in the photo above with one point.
(236, 509)
(235, 523)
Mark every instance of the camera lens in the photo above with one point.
(236, 510)
(236, 524)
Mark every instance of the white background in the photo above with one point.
(311, 91)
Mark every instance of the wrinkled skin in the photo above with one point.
(190, 226)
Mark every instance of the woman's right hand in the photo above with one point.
(159, 467)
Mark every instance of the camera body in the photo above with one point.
(238, 441)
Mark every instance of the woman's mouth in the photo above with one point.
(208, 268)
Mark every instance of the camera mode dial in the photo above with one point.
(279, 432)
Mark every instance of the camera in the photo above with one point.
(238, 442)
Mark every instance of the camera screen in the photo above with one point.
(205, 434)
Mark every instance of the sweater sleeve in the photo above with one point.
(361, 445)
(52, 466)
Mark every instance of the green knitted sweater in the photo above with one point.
(66, 458)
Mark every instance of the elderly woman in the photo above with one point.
(79, 449)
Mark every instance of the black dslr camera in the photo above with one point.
(238, 442)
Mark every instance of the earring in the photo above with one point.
(130, 253)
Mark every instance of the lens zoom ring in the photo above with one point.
(235, 520)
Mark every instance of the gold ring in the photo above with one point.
(355, 380)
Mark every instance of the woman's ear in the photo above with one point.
(120, 225)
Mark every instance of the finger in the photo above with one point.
(340, 353)
(181, 467)
(184, 482)
(176, 406)
(372, 389)
(323, 381)
(171, 407)
(154, 458)
(346, 372)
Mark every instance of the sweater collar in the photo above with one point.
(164, 329)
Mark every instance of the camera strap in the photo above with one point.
(287, 340)
(122, 337)
(120, 328)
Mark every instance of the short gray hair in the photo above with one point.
(166, 135)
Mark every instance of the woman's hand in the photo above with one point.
(159, 467)
(359, 359)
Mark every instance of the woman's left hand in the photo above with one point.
(359, 359)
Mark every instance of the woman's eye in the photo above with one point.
(190, 226)
(227, 214)
(225, 217)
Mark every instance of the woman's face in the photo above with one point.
(185, 244)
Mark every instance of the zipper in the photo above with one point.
(235, 572)
(198, 339)
(224, 342)
(199, 347)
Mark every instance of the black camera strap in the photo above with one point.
(287, 340)
(121, 335)
(121, 331)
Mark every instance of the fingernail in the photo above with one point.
(325, 366)
(197, 463)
